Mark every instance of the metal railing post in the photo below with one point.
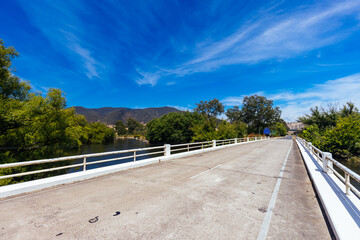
(247, 139)
(84, 164)
(188, 148)
(134, 156)
(167, 150)
(202, 145)
(347, 184)
(309, 147)
(236, 141)
(325, 161)
(213, 143)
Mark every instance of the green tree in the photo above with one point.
(279, 129)
(210, 109)
(134, 127)
(100, 133)
(120, 128)
(205, 131)
(11, 87)
(343, 140)
(241, 129)
(173, 127)
(258, 112)
(312, 134)
(321, 117)
(234, 114)
(226, 130)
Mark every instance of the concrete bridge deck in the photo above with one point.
(223, 194)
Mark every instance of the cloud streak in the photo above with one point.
(61, 25)
(273, 36)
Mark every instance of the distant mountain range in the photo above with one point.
(110, 115)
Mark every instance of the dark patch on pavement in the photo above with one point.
(94, 220)
(262, 209)
(116, 213)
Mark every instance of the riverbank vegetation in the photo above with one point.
(130, 129)
(334, 130)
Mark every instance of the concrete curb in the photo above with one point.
(343, 211)
(35, 185)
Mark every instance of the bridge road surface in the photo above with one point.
(223, 194)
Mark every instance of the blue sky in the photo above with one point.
(140, 54)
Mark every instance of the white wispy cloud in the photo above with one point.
(294, 105)
(61, 25)
(147, 77)
(272, 36)
(89, 62)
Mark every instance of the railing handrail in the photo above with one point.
(194, 143)
(166, 150)
(347, 172)
(353, 174)
(59, 159)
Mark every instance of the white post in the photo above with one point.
(84, 164)
(213, 143)
(347, 184)
(134, 156)
(247, 139)
(235, 141)
(310, 147)
(255, 138)
(325, 162)
(167, 150)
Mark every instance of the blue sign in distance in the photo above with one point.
(266, 131)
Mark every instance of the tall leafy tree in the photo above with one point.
(120, 128)
(210, 109)
(134, 127)
(258, 112)
(234, 114)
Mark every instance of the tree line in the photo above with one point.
(203, 124)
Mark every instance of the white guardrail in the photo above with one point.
(328, 167)
(131, 155)
(339, 198)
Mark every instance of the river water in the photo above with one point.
(117, 145)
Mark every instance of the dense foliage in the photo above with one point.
(130, 128)
(173, 127)
(134, 127)
(334, 130)
(35, 127)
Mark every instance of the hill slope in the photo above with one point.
(110, 115)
